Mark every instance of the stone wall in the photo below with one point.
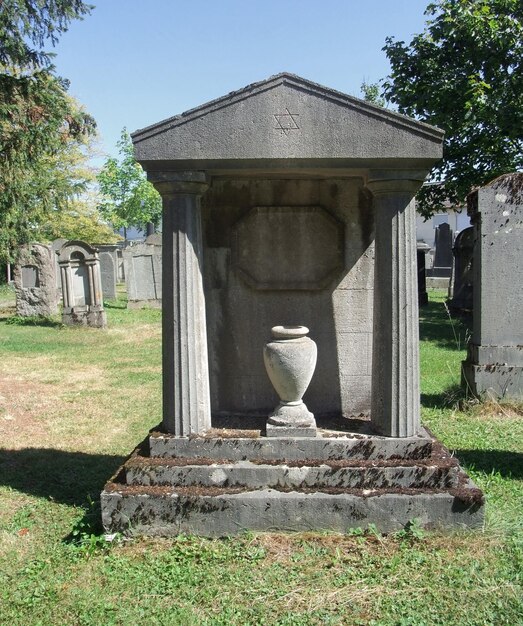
(271, 228)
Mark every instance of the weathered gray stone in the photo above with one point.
(421, 251)
(306, 250)
(168, 513)
(461, 285)
(443, 252)
(81, 285)
(322, 448)
(306, 217)
(282, 476)
(143, 275)
(494, 362)
(186, 399)
(108, 275)
(154, 240)
(290, 360)
(238, 315)
(56, 245)
(395, 374)
(286, 121)
(35, 281)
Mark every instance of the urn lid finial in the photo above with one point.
(289, 332)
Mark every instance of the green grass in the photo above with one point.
(74, 402)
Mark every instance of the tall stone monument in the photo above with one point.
(494, 363)
(35, 281)
(288, 205)
(81, 285)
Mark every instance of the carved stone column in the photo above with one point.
(395, 408)
(186, 399)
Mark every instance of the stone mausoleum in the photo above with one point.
(287, 203)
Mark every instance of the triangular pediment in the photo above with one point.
(286, 119)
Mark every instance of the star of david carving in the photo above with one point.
(286, 122)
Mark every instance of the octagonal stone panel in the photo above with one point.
(286, 248)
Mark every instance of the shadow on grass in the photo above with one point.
(448, 398)
(508, 464)
(436, 327)
(33, 320)
(65, 477)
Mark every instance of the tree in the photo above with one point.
(371, 93)
(464, 73)
(77, 216)
(26, 22)
(129, 199)
(37, 124)
(37, 118)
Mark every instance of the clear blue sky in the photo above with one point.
(135, 62)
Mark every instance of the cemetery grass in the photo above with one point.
(74, 403)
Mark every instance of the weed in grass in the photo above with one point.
(412, 532)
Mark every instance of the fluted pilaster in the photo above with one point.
(395, 410)
(186, 399)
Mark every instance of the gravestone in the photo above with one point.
(443, 252)
(108, 260)
(288, 204)
(143, 275)
(422, 248)
(55, 247)
(494, 364)
(35, 281)
(120, 272)
(461, 285)
(81, 285)
(154, 240)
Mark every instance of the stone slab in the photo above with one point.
(144, 304)
(108, 275)
(319, 448)
(496, 355)
(290, 431)
(161, 512)
(435, 282)
(498, 381)
(258, 476)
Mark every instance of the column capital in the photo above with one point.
(173, 183)
(380, 182)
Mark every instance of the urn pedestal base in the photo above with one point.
(291, 419)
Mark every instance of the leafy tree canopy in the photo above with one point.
(37, 118)
(76, 217)
(26, 26)
(128, 198)
(464, 73)
(371, 93)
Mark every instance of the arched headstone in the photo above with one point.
(81, 285)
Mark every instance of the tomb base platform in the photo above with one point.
(232, 480)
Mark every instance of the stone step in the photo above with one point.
(231, 448)
(434, 473)
(215, 512)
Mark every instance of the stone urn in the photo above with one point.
(290, 360)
